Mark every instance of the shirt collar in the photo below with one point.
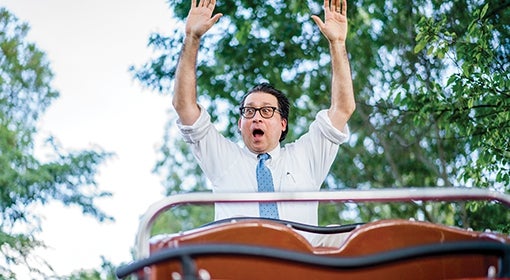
(275, 153)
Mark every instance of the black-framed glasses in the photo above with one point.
(266, 112)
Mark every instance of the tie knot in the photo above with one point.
(264, 157)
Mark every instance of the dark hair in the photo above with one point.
(283, 102)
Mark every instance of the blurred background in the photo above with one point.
(88, 141)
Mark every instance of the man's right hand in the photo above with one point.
(199, 18)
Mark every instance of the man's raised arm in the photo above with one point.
(334, 28)
(199, 21)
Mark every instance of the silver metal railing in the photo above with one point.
(378, 195)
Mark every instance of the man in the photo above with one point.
(299, 166)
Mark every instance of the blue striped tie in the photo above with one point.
(265, 184)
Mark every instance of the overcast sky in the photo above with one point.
(90, 45)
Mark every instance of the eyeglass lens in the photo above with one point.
(265, 112)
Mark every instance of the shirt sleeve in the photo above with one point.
(329, 131)
(213, 152)
(197, 131)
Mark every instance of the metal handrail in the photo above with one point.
(378, 195)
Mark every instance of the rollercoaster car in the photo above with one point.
(258, 248)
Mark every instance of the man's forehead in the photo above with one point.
(261, 98)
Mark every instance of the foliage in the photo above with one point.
(26, 181)
(431, 82)
(107, 272)
(182, 218)
(474, 103)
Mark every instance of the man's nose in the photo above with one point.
(258, 115)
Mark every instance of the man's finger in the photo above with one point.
(318, 21)
(216, 17)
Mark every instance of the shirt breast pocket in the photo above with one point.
(292, 182)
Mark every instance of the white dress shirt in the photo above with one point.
(298, 166)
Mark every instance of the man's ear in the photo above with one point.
(239, 124)
(284, 125)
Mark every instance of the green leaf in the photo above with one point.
(419, 47)
(484, 10)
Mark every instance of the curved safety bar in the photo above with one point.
(186, 253)
(379, 195)
(292, 224)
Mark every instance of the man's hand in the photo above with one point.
(334, 27)
(199, 18)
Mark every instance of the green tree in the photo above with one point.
(107, 272)
(431, 82)
(26, 181)
(477, 93)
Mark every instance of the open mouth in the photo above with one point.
(258, 132)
